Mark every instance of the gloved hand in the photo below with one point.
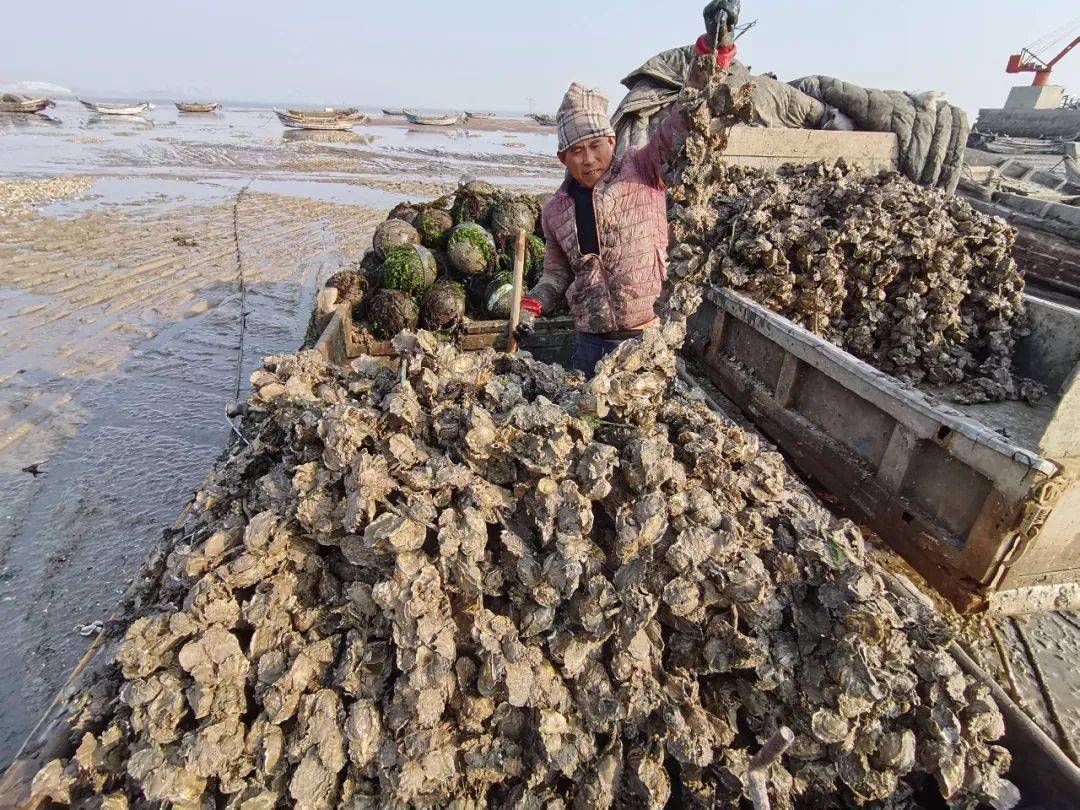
(531, 309)
(721, 17)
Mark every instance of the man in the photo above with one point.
(606, 228)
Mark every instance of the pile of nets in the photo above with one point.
(475, 580)
(436, 264)
(912, 280)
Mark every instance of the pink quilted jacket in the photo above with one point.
(617, 289)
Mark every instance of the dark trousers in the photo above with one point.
(590, 350)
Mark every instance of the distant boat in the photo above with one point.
(543, 120)
(394, 113)
(319, 121)
(11, 103)
(117, 109)
(432, 120)
(479, 116)
(325, 112)
(196, 107)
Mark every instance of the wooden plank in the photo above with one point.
(809, 145)
(846, 476)
(894, 465)
(337, 346)
(773, 162)
(789, 372)
(333, 343)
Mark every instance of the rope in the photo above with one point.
(243, 312)
(1054, 37)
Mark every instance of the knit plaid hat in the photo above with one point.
(582, 115)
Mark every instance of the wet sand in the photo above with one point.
(120, 328)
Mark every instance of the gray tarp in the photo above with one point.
(932, 133)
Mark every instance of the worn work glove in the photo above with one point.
(721, 17)
(531, 309)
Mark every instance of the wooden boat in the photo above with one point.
(326, 112)
(479, 116)
(195, 107)
(324, 122)
(543, 120)
(394, 113)
(10, 103)
(117, 109)
(432, 120)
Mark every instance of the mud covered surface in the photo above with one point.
(120, 331)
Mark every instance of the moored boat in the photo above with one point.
(117, 109)
(319, 122)
(543, 120)
(432, 120)
(394, 113)
(479, 116)
(11, 103)
(196, 107)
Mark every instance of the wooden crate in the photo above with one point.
(552, 341)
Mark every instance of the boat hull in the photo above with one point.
(433, 120)
(325, 124)
(30, 105)
(117, 109)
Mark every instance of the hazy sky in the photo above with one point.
(498, 54)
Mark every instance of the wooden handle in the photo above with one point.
(515, 301)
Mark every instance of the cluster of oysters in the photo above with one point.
(474, 580)
(914, 281)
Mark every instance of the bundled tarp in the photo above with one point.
(931, 132)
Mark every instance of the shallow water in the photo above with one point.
(76, 141)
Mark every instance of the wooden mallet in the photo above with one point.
(519, 282)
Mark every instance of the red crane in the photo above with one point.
(1028, 62)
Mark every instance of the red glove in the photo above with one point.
(533, 306)
(725, 54)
